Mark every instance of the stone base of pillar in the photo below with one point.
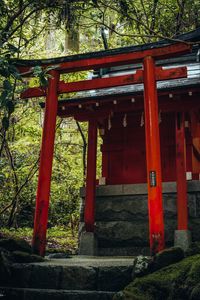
(87, 244)
(182, 238)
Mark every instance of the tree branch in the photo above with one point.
(30, 175)
(84, 147)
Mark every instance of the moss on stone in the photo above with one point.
(194, 249)
(195, 294)
(23, 257)
(176, 282)
(13, 244)
(167, 257)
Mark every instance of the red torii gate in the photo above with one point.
(149, 75)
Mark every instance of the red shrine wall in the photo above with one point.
(123, 148)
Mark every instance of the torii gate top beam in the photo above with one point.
(105, 59)
(187, 38)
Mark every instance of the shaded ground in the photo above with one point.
(59, 239)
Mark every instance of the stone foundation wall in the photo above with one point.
(122, 216)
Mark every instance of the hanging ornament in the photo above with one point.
(101, 132)
(142, 120)
(159, 117)
(109, 123)
(125, 120)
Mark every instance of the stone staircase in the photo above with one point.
(76, 278)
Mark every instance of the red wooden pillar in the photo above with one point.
(156, 222)
(89, 214)
(182, 210)
(45, 169)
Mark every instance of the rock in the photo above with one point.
(167, 257)
(119, 296)
(144, 265)
(122, 233)
(5, 271)
(183, 239)
(78, 278)
(2, 295)
(43, 276)
(194, 249)
(21, 275)
(15, 245)
(59, 250)
(195, 295)
(52, 294)
(24, 257)
(113, 278)
(120, 208)
(58, 255)
(88, 244)
(175, 282)
(141, 266)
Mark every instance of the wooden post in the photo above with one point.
(195, 136)
(182, 210)
(45, 169)
(156, 222)
(89, 214)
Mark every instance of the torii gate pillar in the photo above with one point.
(182, 236)
(45, 169)
(88, 241)
(155, 208)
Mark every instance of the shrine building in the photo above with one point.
(144, 103)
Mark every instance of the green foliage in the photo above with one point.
(24, 233)
(43, 74)
(176, 282)
(59, 238)
(67, 177)
(8, 75)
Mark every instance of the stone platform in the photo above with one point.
(76, 278)
(122, 217)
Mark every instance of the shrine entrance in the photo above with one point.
(142, 141)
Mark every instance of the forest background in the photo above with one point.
(31, 29)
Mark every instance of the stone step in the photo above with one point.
(52, 294)
(123, 251)
(77, 273)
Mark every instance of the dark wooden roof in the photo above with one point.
(193, 36)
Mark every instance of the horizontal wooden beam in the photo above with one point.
(108, 82)
(99, 112)
(100, 83)
(178, 103)
(101, 100)
(86, 85)
(115, 59)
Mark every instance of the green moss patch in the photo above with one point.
(178, 281)
(12, 244)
